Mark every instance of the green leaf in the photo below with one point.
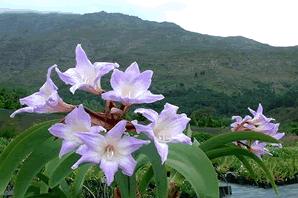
(247, 165)
(160, 174)
(222, 139)
(79, 179)
(62, 169)
(145, 180)
(127, 185)
(33, 164)
(220, 152)
(191, 162)
(19, 149)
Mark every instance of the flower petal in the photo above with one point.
(83, 63)
(147, 129)
(128, 144)
(128, 164)
(92, 140)
(22, 110)
(88, 156)
(109, 168)
(181, 138)
(79, 118)
(133, 69)
(117, 131)
(111, 95)
(150, 114)
(59, 130)
(162, 150)
(67, 146)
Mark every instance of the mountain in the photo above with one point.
(193, 70)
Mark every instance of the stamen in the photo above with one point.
(164, 138)
(109, 152)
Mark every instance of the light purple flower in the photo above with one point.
(131, 86)
(46, 100)
(259, 118)
(167, 127)
(241, 124)
(259, 123)
(259, 148)
(112, 151)
(77, 121)
(85, 76)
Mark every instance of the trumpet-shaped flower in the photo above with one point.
(259, 148)
(166, 127)
(131, 86)
(111, 152)
(46, 100)
(259, 118)
(77, 121)
(85, 76)
(259, 123)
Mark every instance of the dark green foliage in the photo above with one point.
(9, 98)
(201, 136)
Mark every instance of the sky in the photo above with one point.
(273, 22)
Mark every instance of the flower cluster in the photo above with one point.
(101, 137)
(258, 123)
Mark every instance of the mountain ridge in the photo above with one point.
(182, 61)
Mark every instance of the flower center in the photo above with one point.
(164, 138)
(109, 152)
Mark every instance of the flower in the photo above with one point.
(46, 100)
(111, 151)
(77, 121)
(167, 127)
(241, 124)
(259, 148)
(131, 86)
(259, 117)
(85, 76)
(259, 123)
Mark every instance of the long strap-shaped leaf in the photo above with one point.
(33, 164)
(62, 169)
(226, 138)
(191, 162)
(79, 179)
(220, 152)
(19, 148)
(160, 174)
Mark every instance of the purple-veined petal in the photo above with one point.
(117, 131)
(181, 138)
(66, 147)
(87, 156)
(111, 95)
(133, 69)
(69, 77)
(150, 114)
(105, 67)
(59, 130)
(127, 164)
(92, 140)
(128, 144)
(22, 110)
(97, 129)
(147, 129)
(147, 97)
(83, 63)
(79, 117)
(162, 150)
(109, 168)
(278, 136)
